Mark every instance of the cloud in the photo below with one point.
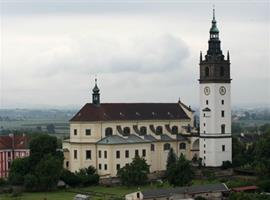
(94, 54)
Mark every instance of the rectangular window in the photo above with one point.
(222, 102)
(87, 131)
(152, 147)
(88, 154)
(105, 166)
(75, 131)
(118, 166)
(127, 153)
(75, 154)
(204, 152)
(203, 124)
(99, 166)
(9, 154)
(222, 113)
(143, 152)
(204, 145)
(223, 147)
(136, 152)
(99, 154)
(206, 102)
(105, 154)
(117, 154)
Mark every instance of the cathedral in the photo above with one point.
(109, 135)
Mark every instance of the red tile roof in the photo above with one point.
(14, 141)
(130, 111)
(245, 188)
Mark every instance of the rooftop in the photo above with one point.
(130, 111)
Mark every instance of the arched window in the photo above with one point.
(143, 130)
(166, 146)
(223, 128)
(126, 131)
(108, 131)
(174, 129)
(182, 145)
(159, 130)
(221, 71)
(207, 71)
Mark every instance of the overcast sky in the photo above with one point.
(140, 51)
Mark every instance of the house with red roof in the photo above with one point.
(12, 147)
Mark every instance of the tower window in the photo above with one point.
(118, 166)
(223, 147)
(222, 113)
(222, 102)
(105, 166)
(87, 131)
(99, 166)
(206, 102)
(204, 114)
(105, 154)
(221, 71)
(207, 71)
(75, 131)
(108, 131)
(203, 124)
(223, 128)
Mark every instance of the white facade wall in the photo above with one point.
(212, 139)
(82, 142)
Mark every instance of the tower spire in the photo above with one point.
(214, 13)
(96, 95)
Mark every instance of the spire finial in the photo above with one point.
(214, 12)
(95, 79)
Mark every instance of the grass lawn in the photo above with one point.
(100, 192)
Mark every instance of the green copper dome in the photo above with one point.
(214, 28)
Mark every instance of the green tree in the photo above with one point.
(88, 176)
(19, 168)
(181, 173)
(30, 182)
(40, 146)
(134, 173)
(171, 159)
(262, 159)
(48, 172)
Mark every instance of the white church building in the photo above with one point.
(109, 135)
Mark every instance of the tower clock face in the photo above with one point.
(222, 90)
(207, 90)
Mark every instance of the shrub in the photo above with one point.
(226, 164)
(30, 182)
(70, 178)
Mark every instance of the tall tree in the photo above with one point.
(181, 173)
(171, 159)
(134, 173)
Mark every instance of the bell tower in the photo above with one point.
(215, 103)
(96, 95)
